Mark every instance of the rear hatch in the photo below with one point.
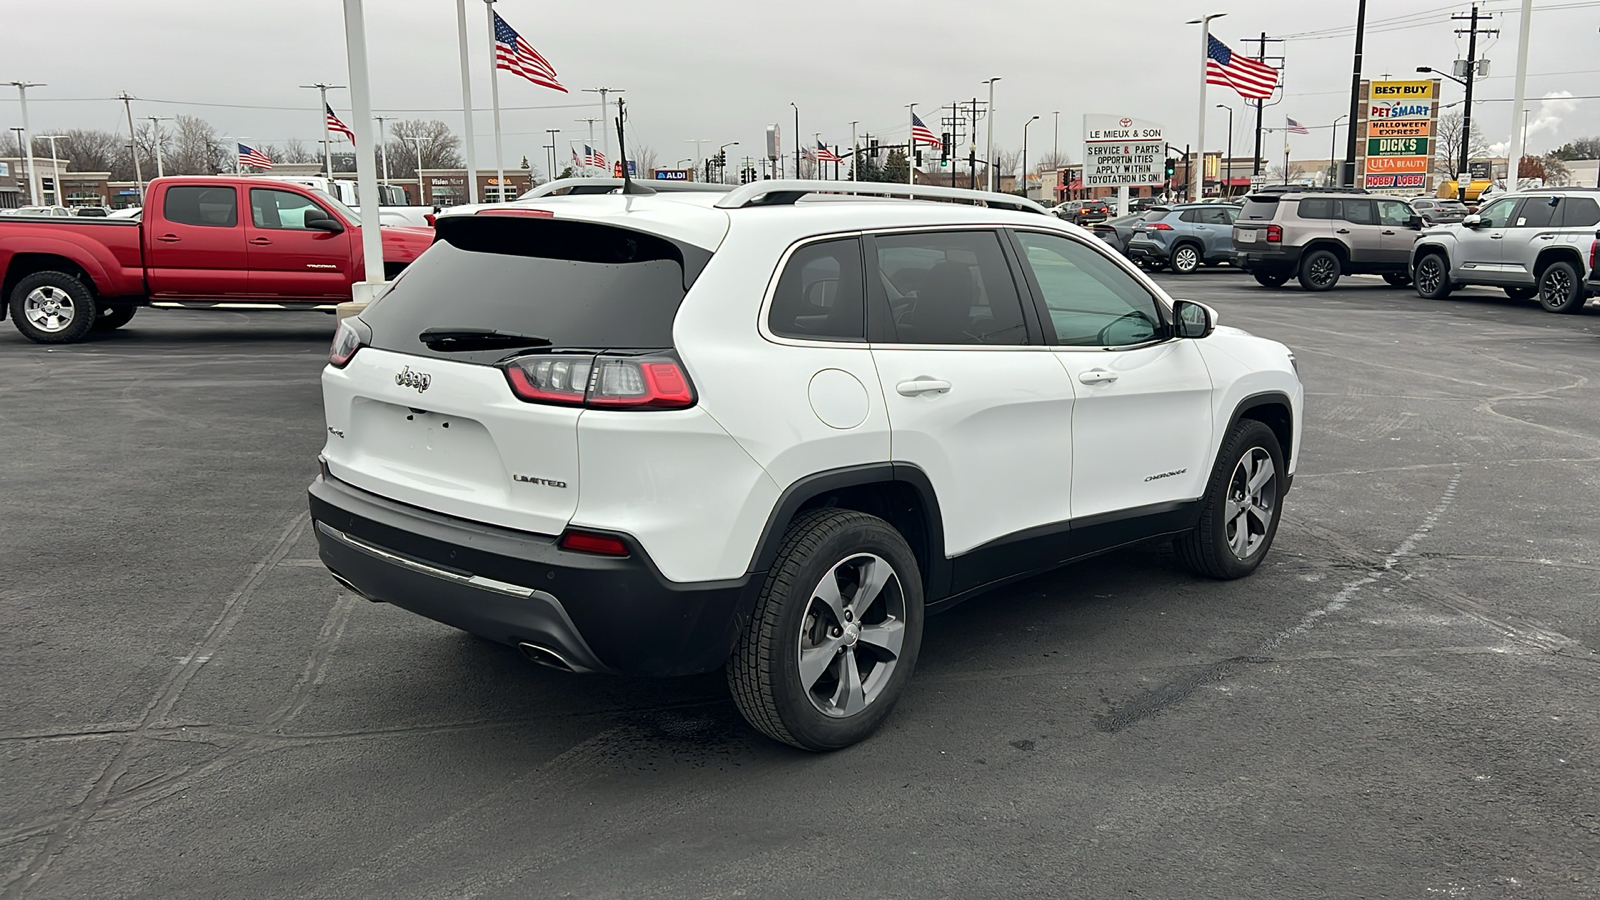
(1250, 229)
(473, 370)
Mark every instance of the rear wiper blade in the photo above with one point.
(447, 339)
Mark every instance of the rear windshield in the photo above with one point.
(575, 284)
(1258, 209)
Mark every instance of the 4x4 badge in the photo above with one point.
(409, 378)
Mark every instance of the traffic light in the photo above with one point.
(722, 159)
(872, 146)
(616, 169)
(1172, 167)
(944, 147)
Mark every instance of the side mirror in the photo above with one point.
(1472, 221)
(1415, 221)
(318, 220)
(1192, 320)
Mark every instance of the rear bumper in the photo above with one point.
(1285, 259)
(1144, 249)
(600, 614)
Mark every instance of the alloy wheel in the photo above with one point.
(49, 309)
(1322, 271)
(1185, 260)
(852, 634)
(1429, 275)
(1252, 502)
(1555, 287)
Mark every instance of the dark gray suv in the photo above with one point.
(1322, 234)
(1184, 237)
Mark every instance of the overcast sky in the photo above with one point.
(722, 70)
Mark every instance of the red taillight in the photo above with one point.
(1274, 234)
(1157, 226)
(1592, 246)
(353, 334)
(590, 542)
(430, 218)
(607, 381)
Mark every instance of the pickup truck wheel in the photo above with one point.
(1561, 288)
(834, 635)
(1432, 278)
(1243, 502)
(1319, 270)
(1185, 259)
(1271, 279)
(52, 308)
(114, 317)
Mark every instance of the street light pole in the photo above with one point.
(1227, 187)
(355, 42)
(855, 151)
(383, 146)
(1333, 141)
(1055, 146)
(988, 149)
(27, 140)
(1025, 154)
(1196, 173)
(155, 123)
(722, 167)
(551, 175)
(327, 144)
(796, 139)
(55, 168)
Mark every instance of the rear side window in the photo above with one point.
(950, 287)
(819, 295)
(1538, 212)
(1579, 212)
(213, 206)
(1357, 212)
(1317, 208)
(1259, 209)
(280, 209)
(1192, 215)
(573, 284)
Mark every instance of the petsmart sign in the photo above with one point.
(1400, 125)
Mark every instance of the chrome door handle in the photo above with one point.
(921, 386)
(1097, 376)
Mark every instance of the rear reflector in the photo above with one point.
(589, 542)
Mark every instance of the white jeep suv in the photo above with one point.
(770, 429)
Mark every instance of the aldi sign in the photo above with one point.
(672, 174)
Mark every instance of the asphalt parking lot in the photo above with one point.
(1401, 703)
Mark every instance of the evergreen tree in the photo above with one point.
(896, 171)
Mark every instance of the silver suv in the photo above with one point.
(1321, 234)
(1531, 243)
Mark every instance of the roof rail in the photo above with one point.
(787, 191)
(569, 186)
(1305, 189)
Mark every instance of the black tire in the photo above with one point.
(53, 308)
(1431, 277)
(1271, 279)
(1522, 293)
(1561, 288)
(1210, 549)
(113, 317)
(1397, 279)
(1320, 270)
(764, 672)
(1185, 259)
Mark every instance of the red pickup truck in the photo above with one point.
(204, 242)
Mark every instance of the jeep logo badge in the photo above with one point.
(409, 378)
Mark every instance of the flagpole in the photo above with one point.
(466, 104)
(327, 139)
(494, 96)
(1197, 173)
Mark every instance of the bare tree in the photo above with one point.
(1277, 173)
(91, 150)
(440, 147)
(294, 151)
(644, 156)
(1053, 160)
(195, 148)
(1447, 144)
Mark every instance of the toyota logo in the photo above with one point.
(413, 379)
(1127, 123)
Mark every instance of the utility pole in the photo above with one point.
(988, 141)
(327, 145)
(1348, 177)
(796, 140)
(605, 138)
(155, 123)
(133, 143)
(383, 146)
(1261, 57)
(854, 149)
(26, 148)
(553, 132)
(1472, 31)
(466, 107)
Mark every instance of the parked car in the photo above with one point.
(91, 212)
(203, 242)
(1319, 234)
(1532, 244)
(127, 212)
(1439, 212)
(655, 510)
(1184, 237)
(392, 206)
(1117, 232)
(54, 211)
(1084, 212)
(1140, 204)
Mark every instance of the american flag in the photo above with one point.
(920, 134)
(335, 125)
(1294, 127)
(593, 157)
(825, 155)
(514, 54)
(1252, 79)
(250, 156)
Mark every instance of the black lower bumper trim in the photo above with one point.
(600, 613)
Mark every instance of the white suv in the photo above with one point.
(769, 429)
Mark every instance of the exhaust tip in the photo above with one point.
(349, 586)
(544, 656)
